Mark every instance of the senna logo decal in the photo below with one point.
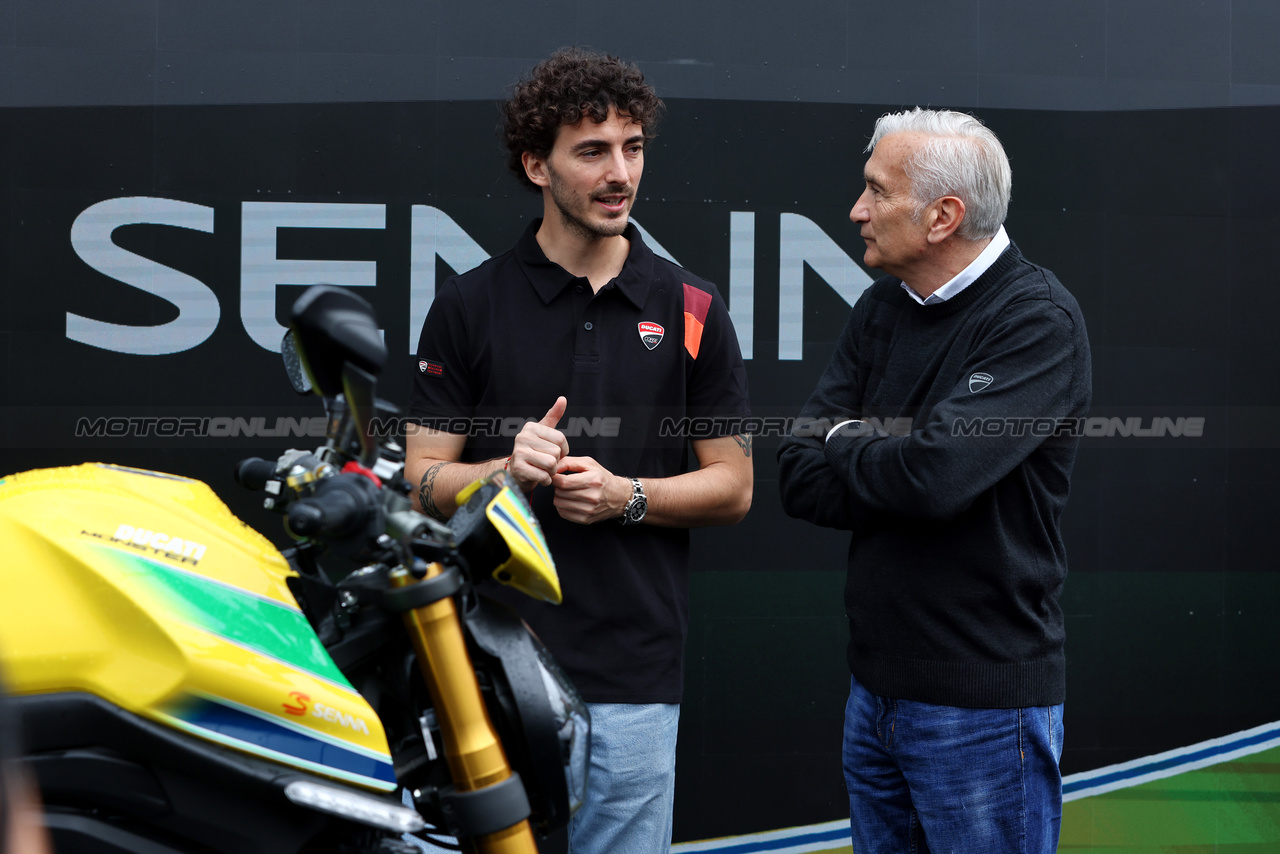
(650, 333)
(299, 704)
(329, 713)
(302, 702)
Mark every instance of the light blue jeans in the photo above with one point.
(925, 778)
(632, 782)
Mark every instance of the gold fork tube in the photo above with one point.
(471, 746)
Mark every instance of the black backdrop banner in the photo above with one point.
(151, 255)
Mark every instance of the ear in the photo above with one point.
(536, 168)
(944, 217)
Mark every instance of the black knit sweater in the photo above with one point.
(955, 491)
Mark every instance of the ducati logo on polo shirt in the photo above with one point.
(650, 333)
(979, 381)
(435, 369)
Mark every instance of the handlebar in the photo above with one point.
(342, 506)
(348, 512)
(254, 472)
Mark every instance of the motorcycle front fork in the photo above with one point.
(471, 746)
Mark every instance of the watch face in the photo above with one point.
(637, 508)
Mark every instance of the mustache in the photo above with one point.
(614, 190)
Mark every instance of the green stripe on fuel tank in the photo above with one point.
(239, 616)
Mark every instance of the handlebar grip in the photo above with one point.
(342, 507)
(254, 472)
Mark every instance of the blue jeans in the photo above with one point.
(632, 782)
(925, 778)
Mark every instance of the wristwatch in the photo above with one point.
(636, 507)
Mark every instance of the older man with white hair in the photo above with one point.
(942, 436)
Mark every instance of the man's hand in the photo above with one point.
(539, 448)
(587, 492)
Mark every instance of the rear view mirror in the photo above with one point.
(333, 327)
(337, 343)
(293, 365)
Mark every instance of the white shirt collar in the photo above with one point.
(968, 275)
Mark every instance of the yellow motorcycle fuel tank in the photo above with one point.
(143, 589)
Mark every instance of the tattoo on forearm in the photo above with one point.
(426, 492)
(744, 441)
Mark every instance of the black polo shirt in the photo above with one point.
(653, 348)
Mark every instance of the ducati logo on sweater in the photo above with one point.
(650, 334)
(979, 381)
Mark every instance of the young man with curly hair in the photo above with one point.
(597, 346)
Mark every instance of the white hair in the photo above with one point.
(961, 158)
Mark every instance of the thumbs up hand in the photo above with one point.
(538, 449)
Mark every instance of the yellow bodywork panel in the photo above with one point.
(143, 589)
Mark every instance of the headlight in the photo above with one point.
(573, 725)
(355, 806)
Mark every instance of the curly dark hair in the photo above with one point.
(570, 85)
